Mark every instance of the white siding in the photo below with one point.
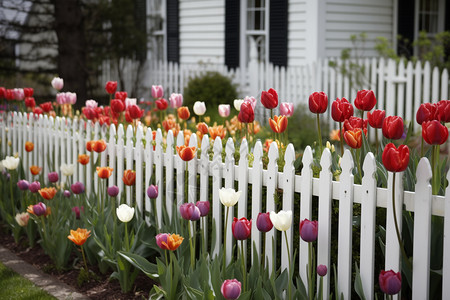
(202, 31)
(297, 32)
(346, 17)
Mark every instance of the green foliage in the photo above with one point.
(212, 88)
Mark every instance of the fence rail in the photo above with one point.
(399, 88)
(60, 141)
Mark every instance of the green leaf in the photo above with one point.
(149, 269)
(358, 284)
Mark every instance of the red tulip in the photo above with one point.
(162, 104)
(30, 102)
(134, 111)
(38, 111)
(89, 113)
(241, 228)
(46, 106)
(2, 93)
(129, 177)
(395, 159)
(9, 94)
(434, 133)
(183, 113)
(354, 123)
(390, 282)
(111, 87)
(269, 99)
(246, 114)
(376, 118)
(353, 138)
(99, 146)
(393, 127)
(341, 110)
(121, 96)
(28, 92)
(443, 111)
(318, 102)
(365, 100)
(117, 106)
(426, 112)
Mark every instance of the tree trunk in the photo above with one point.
(71, 47)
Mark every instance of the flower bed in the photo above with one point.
(205, 251)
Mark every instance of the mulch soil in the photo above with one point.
(100, 288)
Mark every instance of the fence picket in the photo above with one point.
(344, 264)
(243, 184)
(444, 84)
(426, 83)
(148, 158)
(204, 180)
(181, 172)
(169, 159)
(138, 149)
(120, 148)
(287, 184)
(256, 178)
(192, 167)
(324, 220)
(129, 158)
(216, 171)
(159, 165)
(228, 175)
(422, 231)
(446, 250)
(271, 183)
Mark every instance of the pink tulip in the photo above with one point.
(252, 101)
(57, 83)
(231, 289)
(176, 100)
(19, 94)
(224, 110)
(157, 91)
(91, 103)
(287, 109)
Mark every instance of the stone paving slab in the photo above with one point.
(54, 287)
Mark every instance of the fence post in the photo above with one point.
(287, 184)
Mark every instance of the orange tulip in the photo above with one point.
(29, 146)
(129, 177)
(278, 124)
(353, 138)
(48, 193)
(90, 146)
(79, 236)
(183, 113)
(186, 153)
(202, 127)
(35, 170)
(217, 131)
(104, 172)
(99, 146)
(83, 159)
(173, 241)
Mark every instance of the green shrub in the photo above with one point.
(212, 88)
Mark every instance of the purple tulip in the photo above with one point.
(113, 191)
(34, 187)
(66, 194)
(241, 228)
(39, 209)
(190, 212)
(152, 191)
(53, 177)
(77, 210)
(203, 206)
(308, 230)
(231, 289)
(77, 188)
(390, 282)
(162, 237)
(322, 270)
(23, 185)
(263, 222)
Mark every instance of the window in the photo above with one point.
(431, 17)
(256, 29)
(157, 28)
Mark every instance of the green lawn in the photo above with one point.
(14, 286)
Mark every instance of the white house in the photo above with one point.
(285, 32)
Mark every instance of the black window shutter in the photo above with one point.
(405, 27)
(447, 16)
(232, 36)
(173, 31)
(140, 16)
(278, 32)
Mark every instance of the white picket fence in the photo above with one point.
(64, 139)
(399, 88)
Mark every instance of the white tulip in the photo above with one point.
(67, 169)
(22, 219)
(57, 83)
(11, 162)
(228, 196)
(91, 103)
(199, 108)
(125, 213)
(237, 104)
(281, 220)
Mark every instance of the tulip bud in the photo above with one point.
(263, 222)
(231, 289)
(189, 211)
(111, 87)
(395, 159)
(224, 110)
(322, 270)
(66, 193)
(318, 102)
(157, 91)
(77, 210)
(77, 188)
(113, 191)
(39, 209)
(176, 100)
(22, 219)
(241, 228)
(152, 191)
(341, 110)
(282, 220)
(392, 127)
(308, 230)
(269, 99)
(365, 100)
(390, 282)
(204, 207)
(160, 238)
(23, 185)
(34, 187)
(199, 108)
(53, 177)
(125, 213)
(57, 83)
(229, 197)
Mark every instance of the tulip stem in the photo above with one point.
(203, 235)
(421, 147)
(191, 246)
(435, 168)
(84, 258)
(155, 213)
(341, 138)
(244, 268)
(400, 242)
(225, 242)
(127, 243)
(376, 141)
(319, 135)
(310, 275)
(12, 195)
(289, 260)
